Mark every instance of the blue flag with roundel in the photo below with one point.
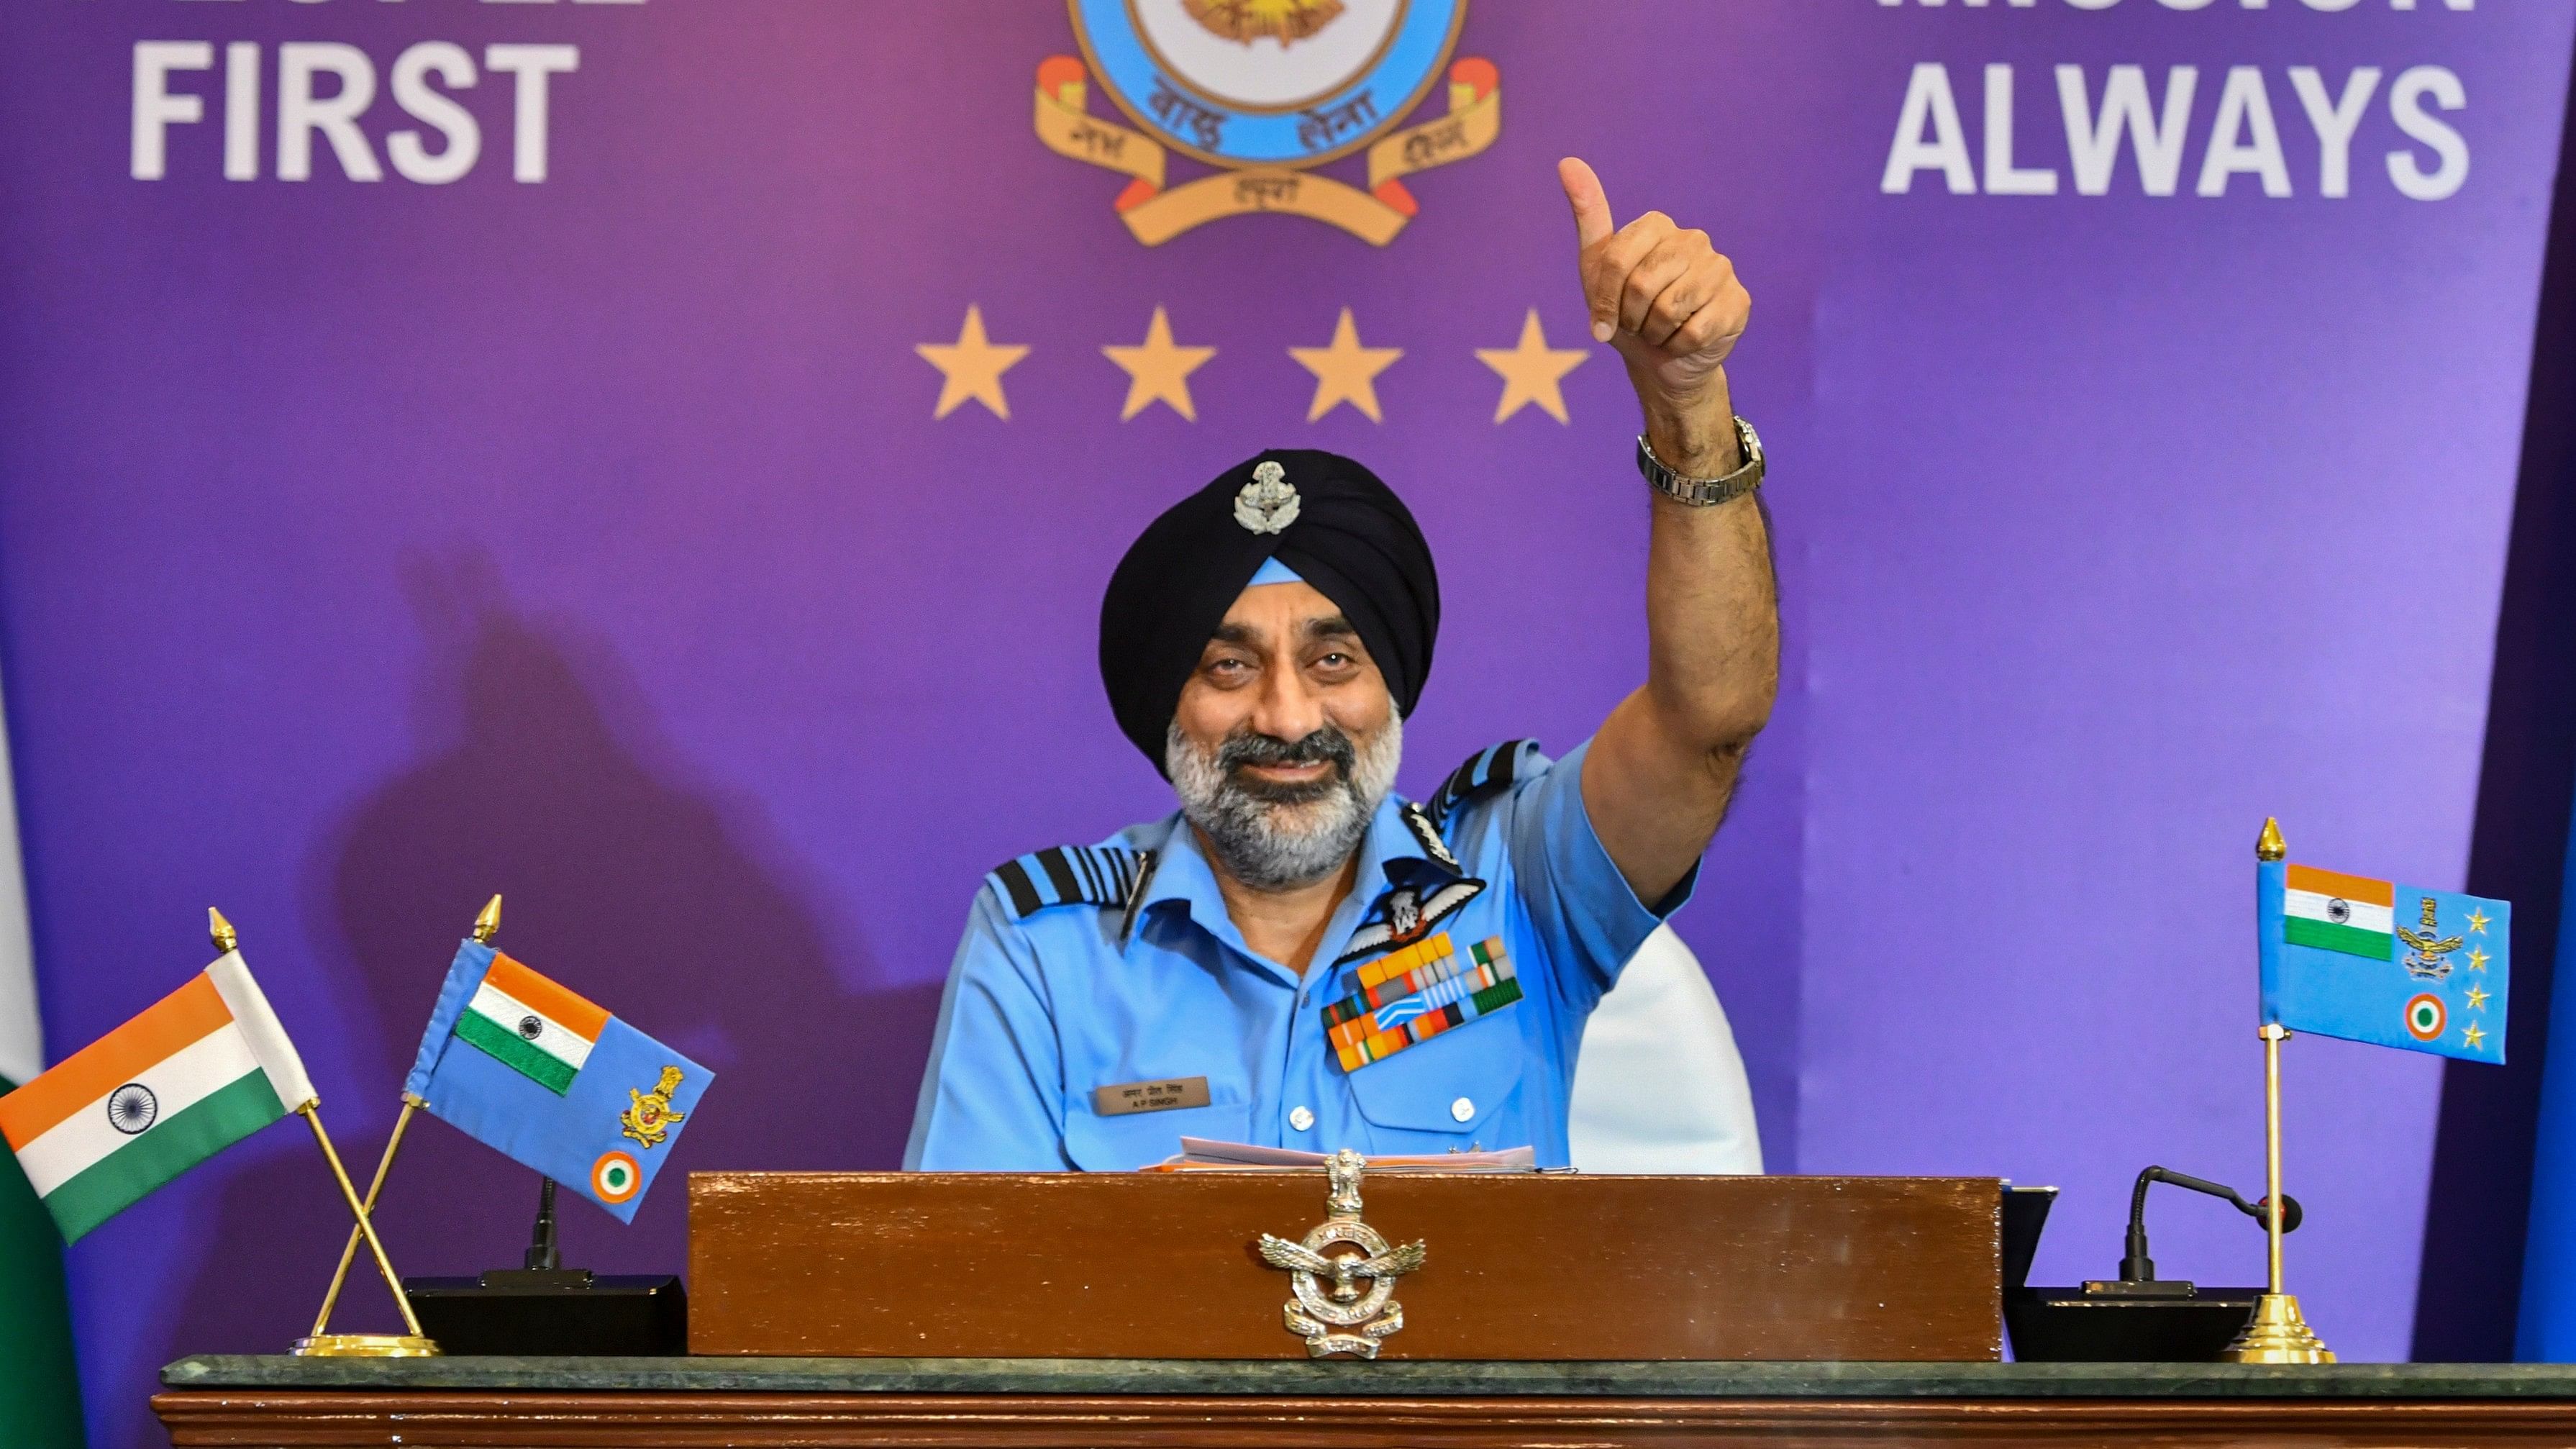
(541, 1074)
(2384, 962)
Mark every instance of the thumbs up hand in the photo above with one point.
(1664, 297)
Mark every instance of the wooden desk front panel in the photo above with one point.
(1525, 1266)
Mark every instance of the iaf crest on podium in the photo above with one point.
(1267, 92)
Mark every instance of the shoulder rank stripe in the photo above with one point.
(1487, 772)
(1069, 875)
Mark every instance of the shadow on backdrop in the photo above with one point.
(659, 900)
(2471, 1278)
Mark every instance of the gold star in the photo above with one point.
(2478, 958)
(971, 367)
(2478, 920)
(2473, 1036)
(1531, 370)
(1346, 372)
(2477, 998)
(1159, 371)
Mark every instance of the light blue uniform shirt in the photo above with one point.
(1115, 965)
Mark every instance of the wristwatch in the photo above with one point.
(1705, 492)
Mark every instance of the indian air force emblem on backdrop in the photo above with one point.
(1266, 90)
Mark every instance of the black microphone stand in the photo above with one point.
(2138, 1271)
(543, 1255)
(2138, 1317)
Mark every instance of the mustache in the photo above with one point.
(1326, 746)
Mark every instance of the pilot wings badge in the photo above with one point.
(1328, 1290)
(1266, 91)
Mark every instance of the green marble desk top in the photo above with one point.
(1410, 1378)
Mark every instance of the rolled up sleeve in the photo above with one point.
(1588, 919)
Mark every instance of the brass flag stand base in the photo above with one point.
(365, 1345)
(2278, 1332)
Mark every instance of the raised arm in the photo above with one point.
(1660, 772)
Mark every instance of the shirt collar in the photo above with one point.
(1391, 854)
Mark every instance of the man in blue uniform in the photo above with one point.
(1297, 958)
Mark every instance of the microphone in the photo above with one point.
(2137, 1267)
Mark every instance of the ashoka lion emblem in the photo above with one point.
(1327, 1285)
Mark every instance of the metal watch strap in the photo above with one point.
(1705, 492)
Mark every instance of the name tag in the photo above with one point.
(1132, 1097)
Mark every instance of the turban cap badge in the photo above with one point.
(1267, 504)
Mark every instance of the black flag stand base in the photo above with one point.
(542, 1307)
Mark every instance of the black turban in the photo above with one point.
(1351, 538)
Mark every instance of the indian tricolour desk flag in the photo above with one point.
(205, 1067)
(2382, 962)
(540, 1074)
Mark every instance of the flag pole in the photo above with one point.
(349, 1252)
(487, 924)
(414, 1344)
(312, 1112)
(2277, 1332)
(2273, 1035)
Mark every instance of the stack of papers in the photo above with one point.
(1200, 1153)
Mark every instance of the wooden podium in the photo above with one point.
(1523, 1266)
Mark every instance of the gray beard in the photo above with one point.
(1272, 839)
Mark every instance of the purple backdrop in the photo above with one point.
(365, 549)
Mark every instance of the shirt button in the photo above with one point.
(1303, 1119)
(1462, 1110)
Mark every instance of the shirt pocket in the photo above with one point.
(1141, 1139)
(1419, 1088)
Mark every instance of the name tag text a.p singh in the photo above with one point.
(1167, 1095)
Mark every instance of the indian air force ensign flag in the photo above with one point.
(2376, 961)
(541, 1074)
(204, 1068)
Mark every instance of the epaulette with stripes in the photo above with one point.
(1072, 875)
(1487, 772)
